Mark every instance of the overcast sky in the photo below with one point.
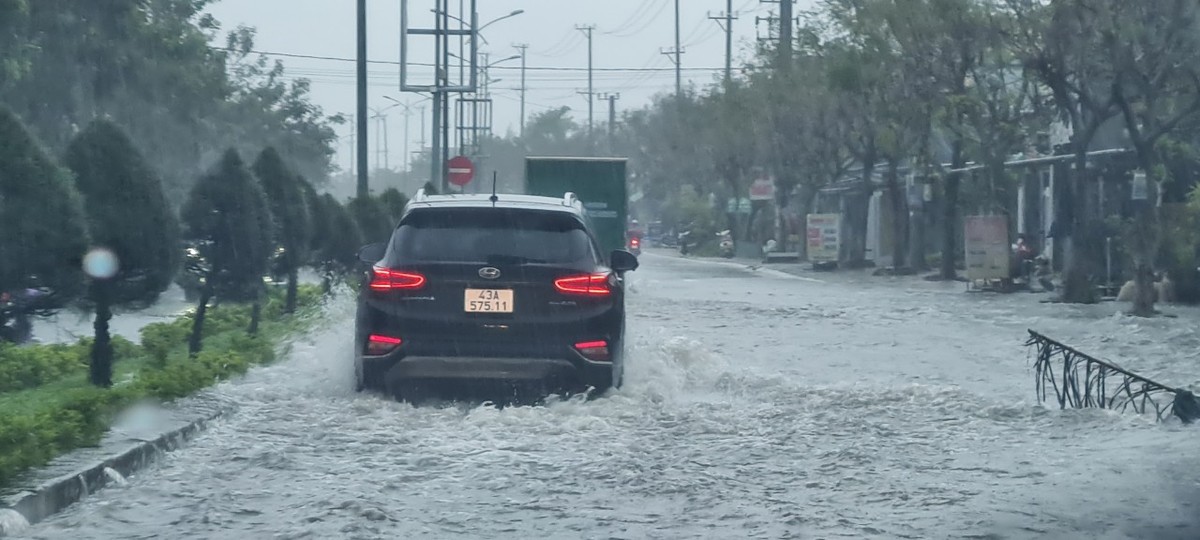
(629, 34)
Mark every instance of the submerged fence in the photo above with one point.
(1081, 381)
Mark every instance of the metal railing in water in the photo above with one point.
(1082, 381)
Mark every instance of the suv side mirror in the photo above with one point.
(623, 261)
(372, 253)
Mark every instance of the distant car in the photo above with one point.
(501, 288)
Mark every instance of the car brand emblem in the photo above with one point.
(488, 272)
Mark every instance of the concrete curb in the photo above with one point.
(55, 495)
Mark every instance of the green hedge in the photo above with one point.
(54, 410)
(30, 367)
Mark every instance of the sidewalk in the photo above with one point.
(68, 325)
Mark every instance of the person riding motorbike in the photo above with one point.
(1024, 256)
(635, 236)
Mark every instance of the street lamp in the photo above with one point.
(407, 113)
(480, 30)
(381, 122)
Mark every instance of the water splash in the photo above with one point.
(114, 476)
(12, 522)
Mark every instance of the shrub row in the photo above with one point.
(66, 417)
(29, 367)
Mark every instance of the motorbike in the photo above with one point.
(635, 245)
(685, 242)
(726, 247)
(16, 312)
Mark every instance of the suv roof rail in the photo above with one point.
(569, 199)
(420, 196)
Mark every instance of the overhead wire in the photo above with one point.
(560, 43)
(635, 17)
(566, 48)
(501, 67)
(648, 23)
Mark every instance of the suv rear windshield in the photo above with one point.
(491, 236)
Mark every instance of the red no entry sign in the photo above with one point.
(461, 170)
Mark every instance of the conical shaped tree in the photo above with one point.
(393, 202)
(318, 220)
(372, 218)
(128, 215)
(286, 198)
(43, 232)
(227, 222)
(341, 241)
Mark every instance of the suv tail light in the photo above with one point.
(387, 280)
(378, 345)
(596, 351)
(586, 285)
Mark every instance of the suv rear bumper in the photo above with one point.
(393, 371)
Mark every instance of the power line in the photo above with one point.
(427, 64)
(568, 46)
(649, 21)
(635, 17)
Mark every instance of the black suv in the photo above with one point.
(506, 288)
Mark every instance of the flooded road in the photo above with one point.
(757, 405)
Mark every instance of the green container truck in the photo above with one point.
(599, 183)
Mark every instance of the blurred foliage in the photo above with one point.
(23, 367)
(293, 228)
(340, 242)
(393, 203)
(1180, 224)
(227, 220)
(372, 218)
(114, 178)
(148, 66)
(43, 230)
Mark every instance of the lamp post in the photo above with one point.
(493, 21)
(441, 123)
(381, 123)
(407, 114)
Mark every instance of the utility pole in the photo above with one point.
(785, 32)
(787, 22)
(678, 58)
(676, 55)
(591, 94)
(407, 121)
(523, 47)
(725, 20)
(612, 120)
(363, 187)
(378, 147)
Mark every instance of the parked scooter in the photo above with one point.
(726, 247)
(685, 242)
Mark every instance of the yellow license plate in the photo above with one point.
(489, 301)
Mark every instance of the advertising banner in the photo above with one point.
(824, 237)
(988, 252)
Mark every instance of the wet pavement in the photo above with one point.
(758, 404)
(68, 325)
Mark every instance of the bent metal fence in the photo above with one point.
(1082, 381)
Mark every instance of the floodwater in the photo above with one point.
(757, 405)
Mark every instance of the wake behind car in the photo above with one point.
(507, 288)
